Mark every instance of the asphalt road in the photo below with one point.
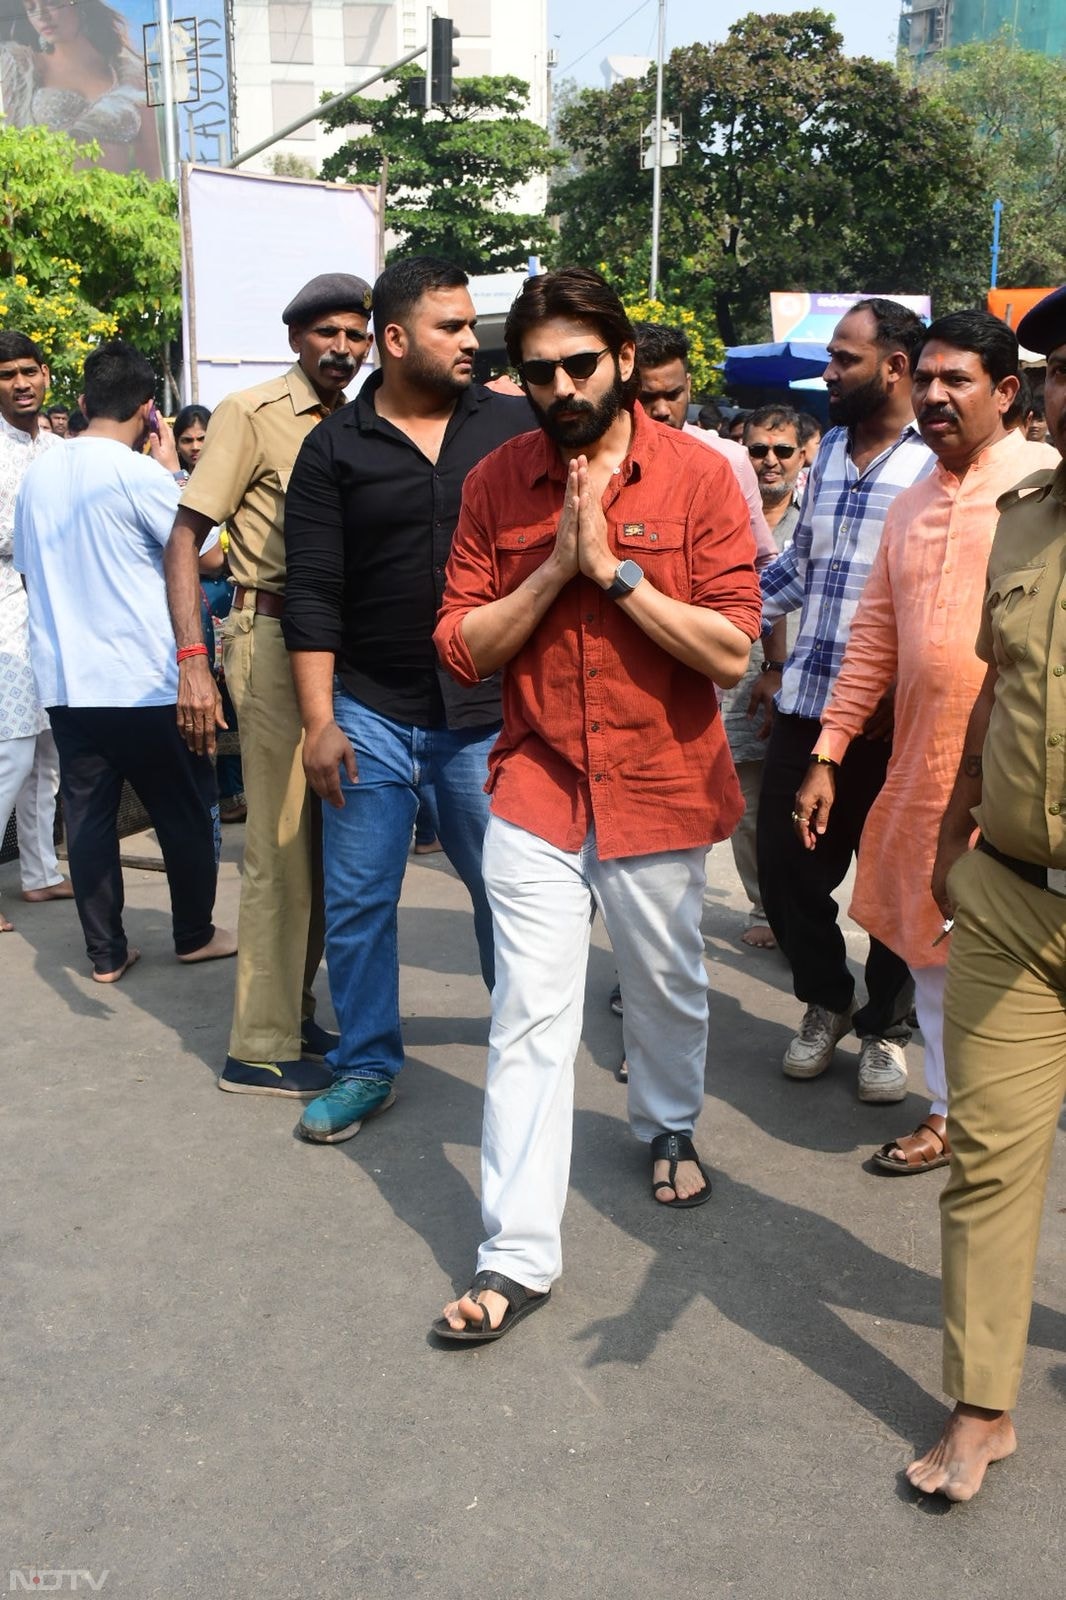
(217, 1379)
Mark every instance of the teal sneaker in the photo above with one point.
(340, 1112)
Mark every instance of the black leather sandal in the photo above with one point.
(675, 1147)
(520, 1302)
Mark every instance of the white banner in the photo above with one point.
(249, 244)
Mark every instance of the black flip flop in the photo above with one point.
(520, 1302)
(675, 1147)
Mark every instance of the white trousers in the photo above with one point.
(543, 901)
(29, 782)
(929, 1004)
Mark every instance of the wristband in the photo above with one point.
(773, 666)
(823, 761)
(191, 650)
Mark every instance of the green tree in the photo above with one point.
(803, 169)
(85, 254)
(1016, 100)
(451, 171)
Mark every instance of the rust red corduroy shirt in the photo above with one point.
(602, 728)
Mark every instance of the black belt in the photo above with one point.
(1053, 879)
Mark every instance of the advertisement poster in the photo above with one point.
(81, 69)
(813, 317)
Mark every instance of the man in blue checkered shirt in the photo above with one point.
(872, 453)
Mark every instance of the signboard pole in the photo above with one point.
(657, 167)
(166, 68)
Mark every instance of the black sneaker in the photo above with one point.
(296, 1080)
(316, 1042)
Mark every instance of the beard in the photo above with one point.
(588, 420)
(772, 494)
(847, 409)
(429, 373)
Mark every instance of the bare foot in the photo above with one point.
(955, 1466)
(466, 1312)
(220, 945)
(689, 1181)
(132, 957)
(54, 891)
(759, 937)
(5, 925)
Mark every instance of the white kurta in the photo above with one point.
(21, 716)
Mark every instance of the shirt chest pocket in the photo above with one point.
(520, 551)
(658, 545)
(1012, 602)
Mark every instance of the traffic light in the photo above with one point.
(442, 61)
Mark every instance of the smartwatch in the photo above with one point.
(626, 577)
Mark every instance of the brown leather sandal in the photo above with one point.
(923, 1150)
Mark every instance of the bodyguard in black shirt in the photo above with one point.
(371, 508)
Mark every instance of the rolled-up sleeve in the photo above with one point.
(470, 580)
(314, 552)
(723, 572)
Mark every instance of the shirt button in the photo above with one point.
(1054, 809)
(590, 616)
(1058, 671)
(1062, 603)
(947, 567)
(599, 777)
(592, 672)
(1056, 738)
(940, 605)
(594, 727)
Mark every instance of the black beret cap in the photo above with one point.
(330, 291)
(1043, 328)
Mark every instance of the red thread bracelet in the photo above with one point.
(191, 650)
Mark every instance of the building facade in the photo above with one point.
(288, 53)
(928, 26)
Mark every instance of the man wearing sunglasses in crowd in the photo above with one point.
(607, 566)
(771, 443)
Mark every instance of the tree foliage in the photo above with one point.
(802, 169)
(1016, 100)
(451, 170)
(85, 254)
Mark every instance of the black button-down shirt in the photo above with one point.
(368, 530)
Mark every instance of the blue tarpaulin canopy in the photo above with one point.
(774, 365)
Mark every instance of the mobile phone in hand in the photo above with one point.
(153, 421)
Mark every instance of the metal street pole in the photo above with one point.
(997, 212)
(657, 167)
(166, 68)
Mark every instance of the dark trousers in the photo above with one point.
(99, 748)
(797, 884)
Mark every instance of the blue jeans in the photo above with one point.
(364, 852)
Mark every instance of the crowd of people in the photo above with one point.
(577, 641)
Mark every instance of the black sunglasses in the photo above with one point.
(783, 452)
(579, 366)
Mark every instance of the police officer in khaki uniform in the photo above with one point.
(1005, 1005)
(253, 439)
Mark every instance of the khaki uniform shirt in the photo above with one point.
(252, 443)
(1023, 634)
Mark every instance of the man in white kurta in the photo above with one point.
(29, 765)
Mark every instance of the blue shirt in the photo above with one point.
(825, 569)
(90, 526)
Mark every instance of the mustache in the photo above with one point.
(572, 407)
(938, 414)
(340, 363)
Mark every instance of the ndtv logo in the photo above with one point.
(39, 1580)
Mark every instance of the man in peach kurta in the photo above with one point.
(916, 624)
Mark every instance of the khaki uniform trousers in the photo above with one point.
(1005, 1049)
(280, 930)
